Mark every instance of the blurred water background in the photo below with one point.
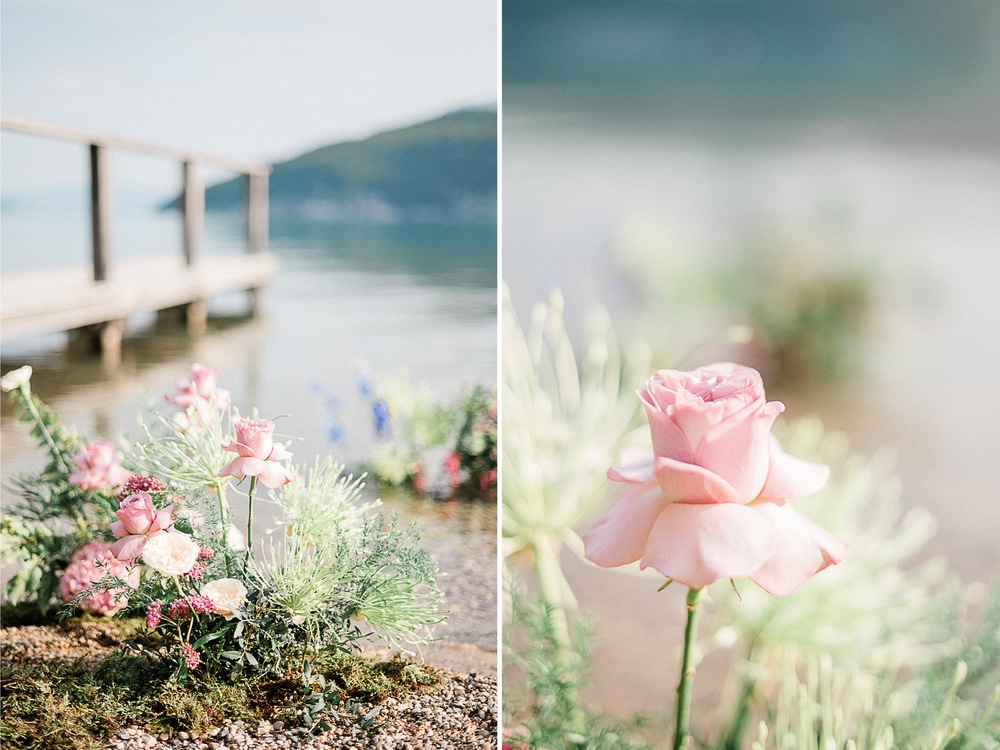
(397, 301)
(828, 175)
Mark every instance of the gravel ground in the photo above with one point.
(461, 714)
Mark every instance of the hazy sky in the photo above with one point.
(244, 79)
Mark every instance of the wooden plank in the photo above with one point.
(48, 301)
(34, 127)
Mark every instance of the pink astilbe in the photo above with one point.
(257, 454)
(90, 564)
(138, 483)
(154, 613)
(191, 657)
(179, 609)
(99, 466)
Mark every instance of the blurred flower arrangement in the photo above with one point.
(882, 650)
(433, 448)
(807, 302)
(149, 532)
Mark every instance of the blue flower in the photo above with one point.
(380, 411)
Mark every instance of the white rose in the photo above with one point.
(227, 594)
(170, 553)
(15, 378)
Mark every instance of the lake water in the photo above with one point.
(417, 302)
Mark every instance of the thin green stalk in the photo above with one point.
(551, 589)
(26, 394)
(224, 525)
(194, 614)
(253, 486)
(682, 735)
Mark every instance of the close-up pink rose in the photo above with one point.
(137, 521)
(711, 499)
(99, 466)
(257, 454)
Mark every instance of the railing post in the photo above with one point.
(193, 207)
(257, 211)
(101, 209)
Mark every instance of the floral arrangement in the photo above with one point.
(433, 448)
(868, 649)
(149, 532)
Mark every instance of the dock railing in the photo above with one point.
(190, 289)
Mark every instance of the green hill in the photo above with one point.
(442, 170)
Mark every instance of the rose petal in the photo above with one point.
(244, 451)
(242, 467)
(737, 449)
(789, 478)
(273, 475)
(129, 547)
(802, 549)
(619, 536)
(636, 466)
(278, 453)
(690, 483)
(667, 437)
(699, 544)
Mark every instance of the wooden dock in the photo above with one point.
(101, 296)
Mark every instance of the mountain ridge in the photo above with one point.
(440, 170)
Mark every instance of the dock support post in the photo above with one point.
(101, 209)
(257, 209)
(193, 206)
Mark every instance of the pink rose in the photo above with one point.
(100, 466)
(711, 501)
(137, 521)
(258, 454)
(199, 389)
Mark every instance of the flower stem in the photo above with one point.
(253, 486)
(682, 735)
(557, 600)
(224, 526)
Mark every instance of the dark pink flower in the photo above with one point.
(257, 454)
(191, 657)
(99, 466)
(154, 613)
(136, 483)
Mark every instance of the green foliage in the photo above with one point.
(543, 710)
(53, 517)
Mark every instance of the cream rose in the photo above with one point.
(170, 553)
(227, 595)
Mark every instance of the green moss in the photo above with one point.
(68, 707)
